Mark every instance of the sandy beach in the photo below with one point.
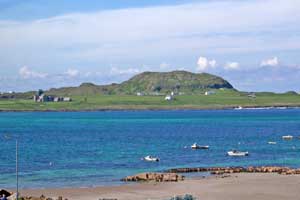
(258, 186)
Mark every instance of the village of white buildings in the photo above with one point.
(40, 96)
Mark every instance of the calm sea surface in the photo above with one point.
(78, 149)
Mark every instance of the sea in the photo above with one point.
(88, 149)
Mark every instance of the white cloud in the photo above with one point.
(164, 65)
(204, 64)
(128, 71)
(232, 66)
(72, 73)
(87, 74)
(25, 72)
(270, 62)
(135, 33)
(212, 63)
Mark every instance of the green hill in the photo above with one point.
(180, 81)
(150, 83)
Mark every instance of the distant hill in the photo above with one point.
(145, 83)
(149, 83)
(182, 81)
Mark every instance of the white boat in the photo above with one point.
(287, 137)
(237, 153)
(196, 146)
(270, 142)
(150, 159)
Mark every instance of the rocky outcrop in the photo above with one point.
(230, 170)
(157, 177)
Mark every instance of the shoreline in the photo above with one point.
(267, 186)
(279, 107)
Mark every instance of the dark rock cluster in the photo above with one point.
(157, 177)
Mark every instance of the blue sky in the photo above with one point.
(35, 9)
(254, 44)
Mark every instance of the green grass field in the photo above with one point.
(222, 99)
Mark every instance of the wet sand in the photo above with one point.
(244, 186)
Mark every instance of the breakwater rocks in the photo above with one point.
(173, 175)
(157, 177)
(230, 170)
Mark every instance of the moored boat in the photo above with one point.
(271, 142)
(287, 137)
(237, 153)
(150, 159)
(196, 146)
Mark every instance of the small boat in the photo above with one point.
(237, 153)
(270, 142)
(196, 146)
(150, 159)
(287, 137)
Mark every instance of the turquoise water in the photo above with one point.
(80, 149)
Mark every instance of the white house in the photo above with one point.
(57, 99)
(168, 98)
(67, 99)
(210, 92)
(252, 95)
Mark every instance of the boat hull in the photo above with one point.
(237, 154)
(287, 137)
(150, 159)
(199, 147)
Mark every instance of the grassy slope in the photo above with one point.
(223, 99)
(149, 83)
(187, 82)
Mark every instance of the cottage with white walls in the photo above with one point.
(210, 92)
(168, 98)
